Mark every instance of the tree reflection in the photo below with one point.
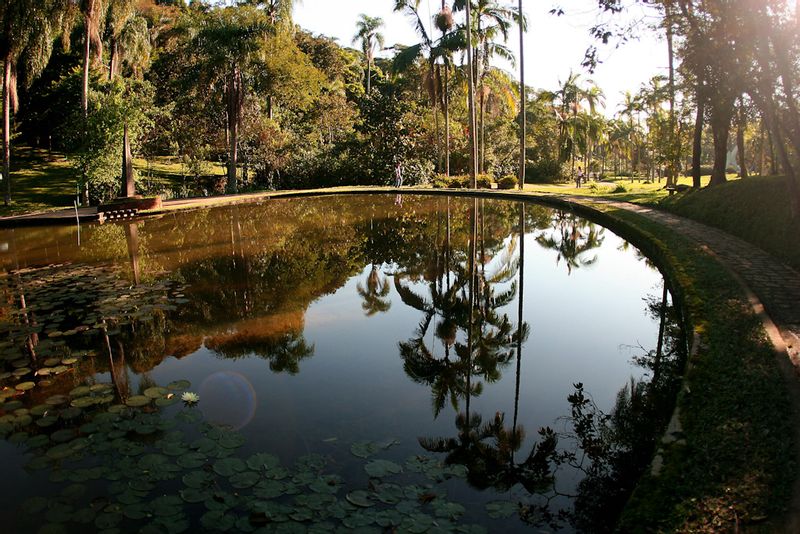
(572, 238)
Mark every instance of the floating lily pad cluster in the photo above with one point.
(53, 312)
(130, 467)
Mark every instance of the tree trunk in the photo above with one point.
(482, 133)
(234, 111)
(674, 149)
(697, 144)
(369, 76)
(114, 62)
(741, 123)
(522, 150)
(447, 119)
(471, 98)
(270, 108)
(721, 116)
(773, 163)
(7, 130)
(761, 151)
(87, 51)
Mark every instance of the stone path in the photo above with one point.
(776, 285)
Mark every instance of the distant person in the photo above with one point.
(579, 178)
(398, 175)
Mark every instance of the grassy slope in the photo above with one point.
(755, 210)
(738, 465)
(40, 182)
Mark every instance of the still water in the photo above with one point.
(372, 363)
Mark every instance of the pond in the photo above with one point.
(411, 363)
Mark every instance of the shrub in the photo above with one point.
(508, 182)
(620, 188)
(484, 181)
(458, 182)
(544, 172)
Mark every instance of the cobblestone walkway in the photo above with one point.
(776, 285)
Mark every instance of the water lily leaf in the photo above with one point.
(167, 401)
(108, 520)
(53, 528)
(389, 493)
(382, 468)
(69, 413)
(194, 495)
(25, 386)
(63, 436)
(262, 462)
(198, 479)
(450, 510)
(191, 460)
(231, 440)
(329, 484)
(217, 520)
(310, 462)
(243, 480)
(59, 512)
(35, 505)
(359, 498)
(155, 392)
(73, 492)
(501, 509)
(138, 401)
(269, 489)
(359, 520)
(136, 511)
(82, 402)
(179, 385)
(84, 516)
(229, 466)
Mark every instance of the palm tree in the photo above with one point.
(279, 11)
(231, 44)
(374, 293)
(129, 38)
(28, 32)
(522, 101)
(369, 35)
(439, 54)
(489, 21)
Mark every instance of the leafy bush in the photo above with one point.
(544, 172)
(508, 182)
(484, 181)
(620, 188)
(458, 182)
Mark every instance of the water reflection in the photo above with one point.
(440, 281)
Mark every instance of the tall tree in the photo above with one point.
(369, 36)
(29, 28)
(523, 134)
(231, 42)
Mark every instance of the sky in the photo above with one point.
(554, 45)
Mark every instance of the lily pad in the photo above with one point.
(137, 401)
(155, 392)
(501, 509)
(359, 498)
(382, 468)
(25, 386)
(262, 461)
(229, 466)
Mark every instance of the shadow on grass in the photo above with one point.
(39, 182)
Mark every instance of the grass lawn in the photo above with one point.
(622, 189)
(39, 182)
(755, 210)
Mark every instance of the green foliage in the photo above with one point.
(545, 171)
(96, 143)
(508, 182)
